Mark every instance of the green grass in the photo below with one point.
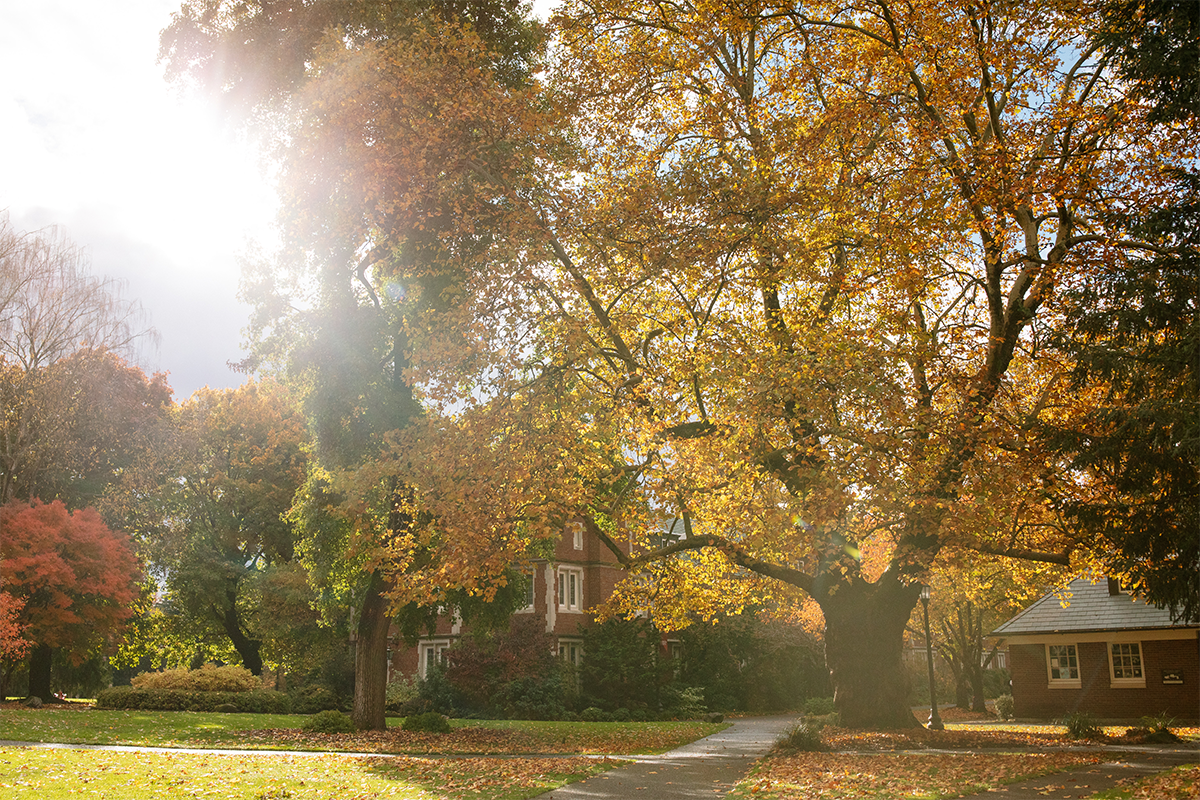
(212, 730)
(53, 774)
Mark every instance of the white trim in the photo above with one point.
(532, 575)
(1151, 635)
(1125, 683)
(570, 592)
(1062, 683)
(424, 647)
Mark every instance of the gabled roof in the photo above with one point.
(1090, 608)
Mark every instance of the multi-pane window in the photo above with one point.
(1126, 661)
(1064, 662)
(530, 585)
(577, 535)
(570, 589)
(432, 654)
(569, 650)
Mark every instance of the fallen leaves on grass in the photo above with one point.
(544, 738)
(895, 775)
(1181, 783)
(970, 737)
(487, 777)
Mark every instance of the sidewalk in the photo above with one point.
(706, 768)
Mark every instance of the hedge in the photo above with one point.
(129, 698)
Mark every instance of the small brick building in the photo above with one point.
(1104, 653)
(582, 574)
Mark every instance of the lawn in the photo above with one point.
(898, 776)
(274, 731)
(54, 774)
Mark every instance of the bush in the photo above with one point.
(1081, 726)
(621, 665)
(313, 699)
(209, 678)
(804, 736)
(1154, 730)
(328, 721)
(593, 714)
(399, 692)
(1005, 706)
(686, 703)
(429, 722)
(533, 698)
(131, 698)
(819, 706)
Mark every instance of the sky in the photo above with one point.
(159, 193)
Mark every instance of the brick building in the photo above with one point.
(1105, 653)
(582, 574)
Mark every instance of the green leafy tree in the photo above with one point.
(1133, 330)
(365, 226)
(237, 460)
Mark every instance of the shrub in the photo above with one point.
(1081, 726)
(1005, 706)
(686, 703)
(804, 736)
(328, 721)
(1154, 730)
(131, 698)
(819, 706)
(312, 699)
(479, 666)
(209, 678)
(429, 722)
(226, 708)
(399, 692)
(533, 698)
(621, 665)
(593, 714)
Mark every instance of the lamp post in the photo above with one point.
(935, 719)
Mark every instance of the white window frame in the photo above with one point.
(431, 649)
(530, 593)
(570, 592)
(577, 535)
(1069, 650)
(1137, 662)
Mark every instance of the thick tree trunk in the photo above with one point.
(248, 649)
(370, 660)
(864, 649)
(39, 671)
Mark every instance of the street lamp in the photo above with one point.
(935, 719)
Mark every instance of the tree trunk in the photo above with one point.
(248, 649)
(864, 649)
(6, 679)
(977, 700)
(39, 671)
(370, 660)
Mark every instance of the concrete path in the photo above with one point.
(706, 768)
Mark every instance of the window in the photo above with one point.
(1125, 661)
(570, 589)
(432, 654)
(530, 585)
(1063, 662)
(570, 650)
(577, 535)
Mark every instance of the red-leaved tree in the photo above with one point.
(75, 578)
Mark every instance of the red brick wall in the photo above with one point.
(1027, 665)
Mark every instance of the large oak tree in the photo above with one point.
(782, 271)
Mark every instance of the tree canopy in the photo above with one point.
(784, 272)
(74, 579)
